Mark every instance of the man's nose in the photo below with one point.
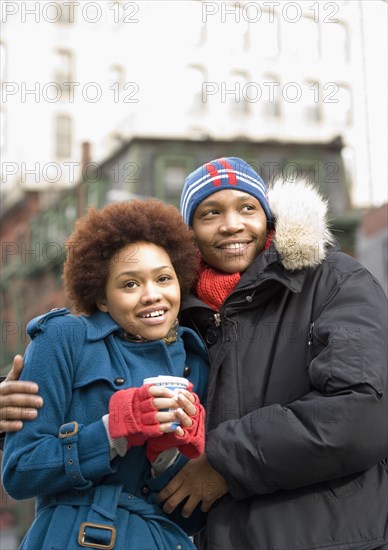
(231, 223)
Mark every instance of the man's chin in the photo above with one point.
(233, 266)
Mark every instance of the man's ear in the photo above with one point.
(102, 306)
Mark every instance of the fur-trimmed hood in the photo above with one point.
(301, 235)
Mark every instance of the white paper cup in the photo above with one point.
(173, 383)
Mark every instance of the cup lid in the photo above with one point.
(166, 379)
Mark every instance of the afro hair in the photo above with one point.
(100, 234)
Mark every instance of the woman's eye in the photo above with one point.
(164, 278)
(130, 284)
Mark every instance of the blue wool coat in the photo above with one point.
(79, 362)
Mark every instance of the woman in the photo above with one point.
(105, 443)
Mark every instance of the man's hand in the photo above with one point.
(18, 400)
(198, 481)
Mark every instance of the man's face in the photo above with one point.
(230, 229)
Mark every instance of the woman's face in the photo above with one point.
(142, 292)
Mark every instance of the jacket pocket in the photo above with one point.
(339, 489)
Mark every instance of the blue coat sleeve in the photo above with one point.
(36, 460)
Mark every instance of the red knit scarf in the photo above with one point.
(213, 286)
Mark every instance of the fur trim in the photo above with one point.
(302, 234)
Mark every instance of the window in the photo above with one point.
(338, 104)
(170, 174)
(264, 36)
(121, 12)
(51, 224)
(174, 176)
(312, 104)
(70, 214)
(64, 68)
(193, 79)
(116, 81)
(310, 39)
(193, 31)
(228, 32)
(335, 42)
(116, 75)
(61, 12)
(240, 94)
(63, 136)
(302, 39)
(270, 98)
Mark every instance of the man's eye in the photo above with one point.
(248, 207)
(210, 213)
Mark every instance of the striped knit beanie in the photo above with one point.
(217, 175)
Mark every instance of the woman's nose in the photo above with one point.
(151, 294)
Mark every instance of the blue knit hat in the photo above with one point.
(220, 174)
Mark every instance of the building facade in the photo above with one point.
(108, 71)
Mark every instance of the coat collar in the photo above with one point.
(269, 266)
(101, 324)
(302, 235)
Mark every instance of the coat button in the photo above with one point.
(186, 371)
(211, 337)
(145, 490)
(119, 381)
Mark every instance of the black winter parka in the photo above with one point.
(297, 406)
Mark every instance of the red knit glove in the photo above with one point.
(133, 415)
(191, 444)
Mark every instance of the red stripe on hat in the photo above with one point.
(232, 178)
(213, 173)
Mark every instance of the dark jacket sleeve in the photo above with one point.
(341, 426)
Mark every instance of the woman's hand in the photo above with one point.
(189, 435)
(182, 406)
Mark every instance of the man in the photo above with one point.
(297, 420)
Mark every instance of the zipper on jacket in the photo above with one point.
(310, 340)
(217, 319)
